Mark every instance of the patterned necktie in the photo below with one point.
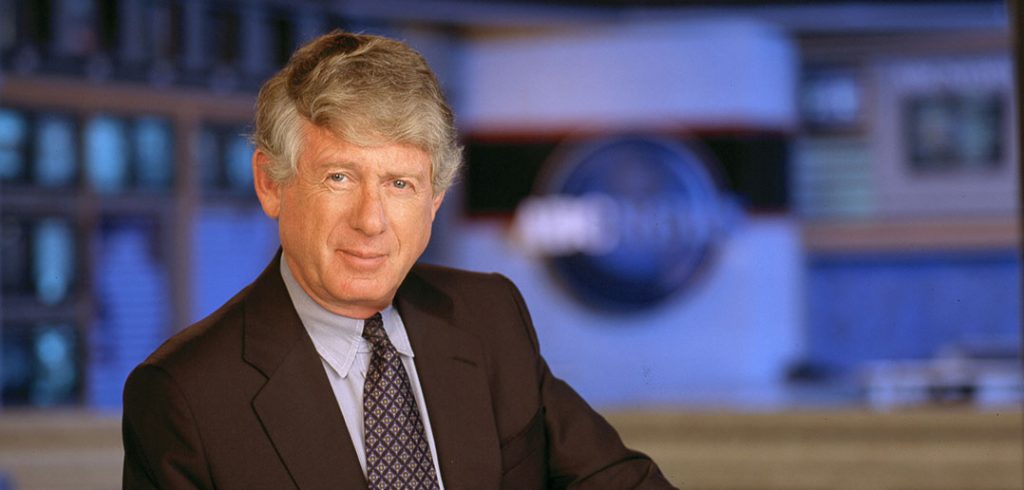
(397, 453)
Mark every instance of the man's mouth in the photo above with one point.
(363, 259)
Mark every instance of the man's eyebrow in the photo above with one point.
(328, 164)
(416, 175)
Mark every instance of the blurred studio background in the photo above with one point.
(777, 242)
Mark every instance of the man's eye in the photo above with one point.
(336, 177)
(401, 184)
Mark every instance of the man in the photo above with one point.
(344, 365)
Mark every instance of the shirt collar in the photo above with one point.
(338, 339)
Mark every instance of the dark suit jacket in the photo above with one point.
(241, 399)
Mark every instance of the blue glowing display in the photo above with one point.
(55, 148)
(13, 134)
(106, 155)
(53, 262)
(154, 152)
(239, 167)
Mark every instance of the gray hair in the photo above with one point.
(367, 90)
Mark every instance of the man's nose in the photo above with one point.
(368, 215)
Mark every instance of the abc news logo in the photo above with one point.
(625, 222)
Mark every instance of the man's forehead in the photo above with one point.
(322, 148)
(367, 137)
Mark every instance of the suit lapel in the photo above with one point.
(450, 365)
(296, 406)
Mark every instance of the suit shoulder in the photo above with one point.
(448, 278)
(476, 295)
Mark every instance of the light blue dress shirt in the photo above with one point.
(346, 358)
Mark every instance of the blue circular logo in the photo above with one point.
(629, 221)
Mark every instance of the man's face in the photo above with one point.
(353, 220)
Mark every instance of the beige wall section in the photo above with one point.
(42, 450)
(833, 450)
(820, 450)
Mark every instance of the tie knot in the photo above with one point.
(373, 330)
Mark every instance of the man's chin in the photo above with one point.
(373, 297)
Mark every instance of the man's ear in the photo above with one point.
(438, 199)
(267, 190)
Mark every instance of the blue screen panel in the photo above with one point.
(41, 365)
(13, 135)
(238, 161)
(154, 153)
(55, 148)
(53, 260)
(106, 154)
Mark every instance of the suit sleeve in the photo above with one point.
(162, 447)
(584, 451)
